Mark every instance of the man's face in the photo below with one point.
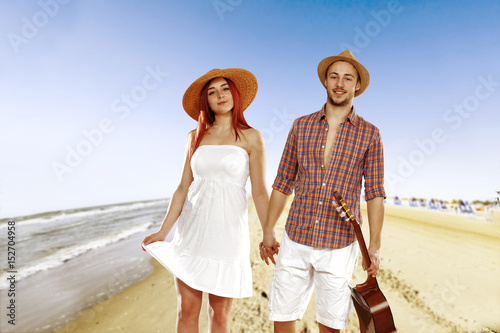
(341, 83)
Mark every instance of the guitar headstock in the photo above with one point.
(343, 209)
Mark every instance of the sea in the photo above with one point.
(60, 263)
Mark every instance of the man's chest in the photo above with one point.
(322, 148)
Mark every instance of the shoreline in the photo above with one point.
(113, 314)
(422, 276)
(51, 298)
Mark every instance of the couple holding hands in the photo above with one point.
(332, 149)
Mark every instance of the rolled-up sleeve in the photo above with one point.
(374, 169)
(287, 170)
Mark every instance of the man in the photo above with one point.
(326, 151)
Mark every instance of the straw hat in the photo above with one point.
(350, 58)
(243, 79)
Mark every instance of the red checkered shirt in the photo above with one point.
(357, 152)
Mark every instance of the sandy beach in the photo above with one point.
(439, 272)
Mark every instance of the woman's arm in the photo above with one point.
(269, 245)
(177, 201)
(257, 155)
(260, 196)
(260, 193)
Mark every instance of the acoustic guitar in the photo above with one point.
(372, 307)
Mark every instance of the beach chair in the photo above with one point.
(422, 203)
(442, 205)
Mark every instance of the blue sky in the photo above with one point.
(90, 98)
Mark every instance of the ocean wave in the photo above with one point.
(56, 216)
(63, 255)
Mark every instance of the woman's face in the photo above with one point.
(220, 98)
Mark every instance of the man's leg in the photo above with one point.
(289, 327)
(324, 329)
(333, 270)
(284, 327)
(292, 285)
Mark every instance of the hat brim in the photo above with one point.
(364, 76)
(244, 80)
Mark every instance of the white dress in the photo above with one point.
(210, 250)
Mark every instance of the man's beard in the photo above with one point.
(344, 102)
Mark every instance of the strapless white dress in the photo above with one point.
(210, 250)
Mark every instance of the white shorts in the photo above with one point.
(299, 268)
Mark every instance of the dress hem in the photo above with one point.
(195, 285)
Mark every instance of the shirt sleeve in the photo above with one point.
(287, 170)
(374, 169)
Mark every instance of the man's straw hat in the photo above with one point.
(350, 58)
(243, 79)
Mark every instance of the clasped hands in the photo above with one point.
(268, 248)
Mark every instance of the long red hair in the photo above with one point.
(207, 116)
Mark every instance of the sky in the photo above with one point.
(91, 91)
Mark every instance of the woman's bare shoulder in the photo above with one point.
(191, 134)
(252, 133)
(253, 138)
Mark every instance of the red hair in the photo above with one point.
(207, 116)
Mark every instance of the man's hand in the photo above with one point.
(268, 248)
(375, 262)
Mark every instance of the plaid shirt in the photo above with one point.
(357, 152)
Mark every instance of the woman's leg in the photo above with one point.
(219, 314)
(188, 307)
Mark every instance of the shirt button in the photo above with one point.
(322, 146)
(324, 184)
(320, 202)
(316, 221)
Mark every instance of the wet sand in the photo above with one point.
(439, 273)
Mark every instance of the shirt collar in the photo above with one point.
(353, 118)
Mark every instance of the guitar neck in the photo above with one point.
(350, 217)
(361, 240)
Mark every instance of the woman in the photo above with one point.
(210, 250)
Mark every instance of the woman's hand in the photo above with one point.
(156, 237)
(268, 248)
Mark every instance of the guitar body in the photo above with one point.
(372, 308)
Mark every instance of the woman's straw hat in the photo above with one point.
(243, 79)
(350, 58)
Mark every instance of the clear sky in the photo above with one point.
(91, 91)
